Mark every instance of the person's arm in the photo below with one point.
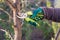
(52, 14)
(43, 13)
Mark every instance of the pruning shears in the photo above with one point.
(33, 16)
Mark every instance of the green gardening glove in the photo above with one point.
(31, 21)
(34, 16)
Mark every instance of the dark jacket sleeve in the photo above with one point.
(52, 14)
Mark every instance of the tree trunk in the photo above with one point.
(18, 31)
(17, 28)
(17, 22)
(15, 7)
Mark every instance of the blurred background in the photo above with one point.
(47, 29)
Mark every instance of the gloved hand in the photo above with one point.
(34, 16)
(31, 21)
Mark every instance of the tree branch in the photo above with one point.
(7, 32)
(6, 13)
(10, 4)
(18, 6)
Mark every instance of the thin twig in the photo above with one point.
(10, 4)
(7, 32)
(5, 12)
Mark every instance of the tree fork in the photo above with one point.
(17, 22)
(18, 26)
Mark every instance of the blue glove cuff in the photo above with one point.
(37, 11)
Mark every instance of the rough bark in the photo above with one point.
(15, 7)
